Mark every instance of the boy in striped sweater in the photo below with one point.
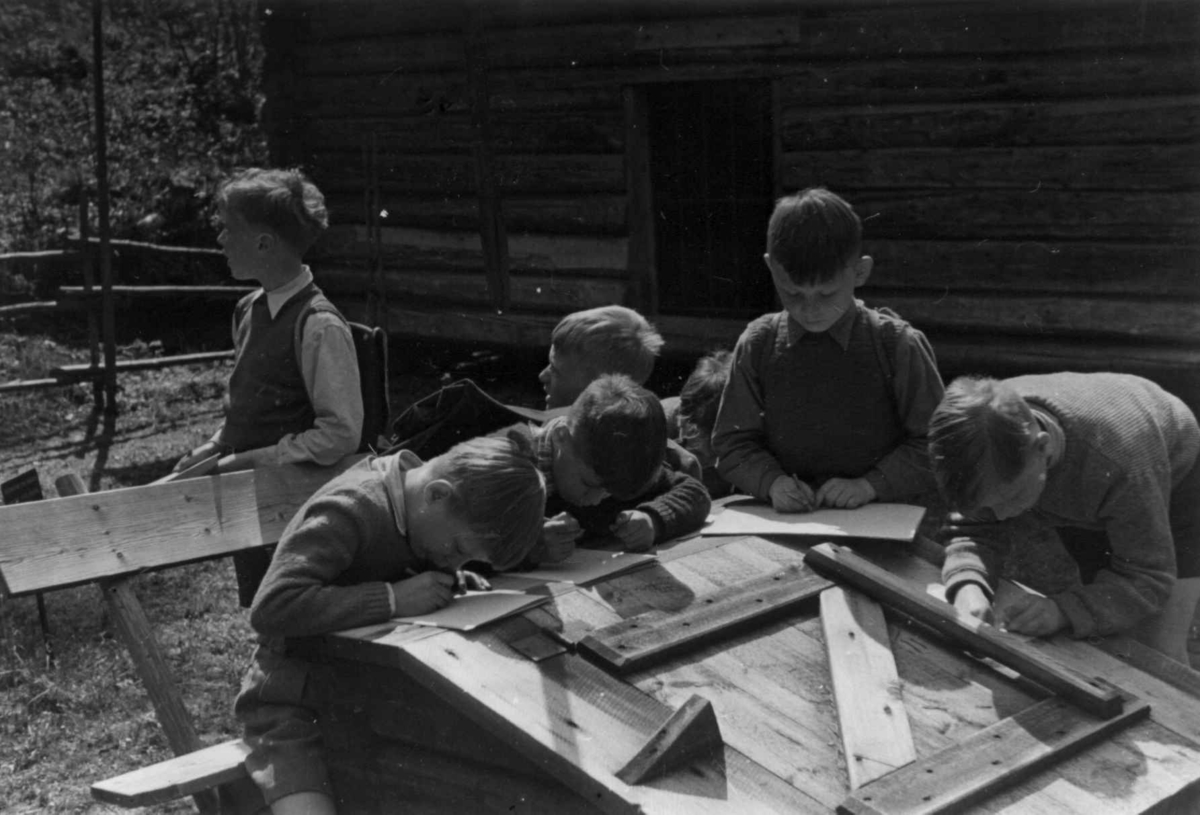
(1106, 463)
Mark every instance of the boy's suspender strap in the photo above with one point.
(886, 363)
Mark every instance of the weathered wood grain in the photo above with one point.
(872, 719)
(898, 594)
(656, 635)
(178, 777)
(1001, 755)
(537, 293)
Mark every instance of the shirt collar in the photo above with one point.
(393, 470)
(277, 297)
(839, 331)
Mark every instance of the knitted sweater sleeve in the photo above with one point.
(678, 503)
(1141, 571)
(298, 596)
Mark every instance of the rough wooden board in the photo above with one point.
(579, 724)
(175, 777)
(654, 636)
(690, 734)
(1003, 754)
(897, 593)
(872, 718)
(66, 541)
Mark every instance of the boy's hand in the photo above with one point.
(789, 494)
(972, 601)
(1032, 615)
(196, 456)
(466, 580)
(423, 593)
(558, 538)
(635, 529)
(845, 493)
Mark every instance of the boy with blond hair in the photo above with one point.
(609, 472)
(828, 401)
(386, 538)
(285, 403)
(603, 340)
(1107, 465)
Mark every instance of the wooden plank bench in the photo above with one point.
(108, 538)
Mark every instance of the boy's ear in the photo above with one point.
(560, 434)
(266, 241)
(1041, 442)
(437, 490)
(862, 269)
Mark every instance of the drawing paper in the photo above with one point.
(886, 521)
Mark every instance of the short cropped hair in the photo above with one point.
(813, 234)
(701, 394)
(620, 431)
(981, 431)
(609, 340)
(499, 492)
(284, 201)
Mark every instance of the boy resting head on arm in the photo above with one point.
(386, 538)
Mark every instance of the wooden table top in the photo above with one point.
(771, 690)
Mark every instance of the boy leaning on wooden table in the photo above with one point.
(1102, 464)
(610, 471)
(828, 401)
(389, 537)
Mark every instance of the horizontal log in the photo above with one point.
(578, 215)
(25, 309)
(153, 292)
(1123, 269)
(1115, 120)
(84, 371)
(460, 324)
(1041, 215)
(401, 247)
(1075, 167)
(571, 133)
(404, 173)
(538, 293)
(1048, 315)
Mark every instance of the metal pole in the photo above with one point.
(108, 318)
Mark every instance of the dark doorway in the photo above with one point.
(711, 173)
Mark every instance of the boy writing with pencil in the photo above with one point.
(828, 401)
(1104, 464)
(608, 472)
(386, 538)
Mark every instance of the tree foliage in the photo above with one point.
(181, 81)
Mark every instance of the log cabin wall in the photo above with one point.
(1028, 172)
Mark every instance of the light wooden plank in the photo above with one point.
(1001, 755)
(872, 719)
(654, 636)
(842, 563)
(177, 777)
(579, 724)
(62, 542)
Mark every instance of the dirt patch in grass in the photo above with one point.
(85, 716)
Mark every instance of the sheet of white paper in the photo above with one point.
(888, 521)
(587, 565)
(473, 609)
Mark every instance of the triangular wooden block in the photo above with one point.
(690, 733)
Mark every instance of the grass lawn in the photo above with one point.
(86, 716)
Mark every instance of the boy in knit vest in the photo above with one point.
(386, 538)
(284, 404)
(604, 340)
(1107, 465)
(609, 472)
(828, 401)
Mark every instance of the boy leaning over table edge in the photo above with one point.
(1103, 465)
(828, 401)
(386, 538)
(609, 471)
